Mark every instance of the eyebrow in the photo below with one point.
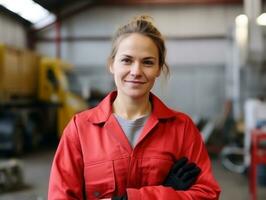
(125, 55)
(146, 58)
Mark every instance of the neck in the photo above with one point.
(131, 108)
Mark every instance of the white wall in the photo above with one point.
(197, 90)
(12, 32)
(173, 21)
(197, 55)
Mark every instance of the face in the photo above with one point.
(135, 66)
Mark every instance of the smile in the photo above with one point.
(135, 82)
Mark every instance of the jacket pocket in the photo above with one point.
(99, 180)
(154, 171)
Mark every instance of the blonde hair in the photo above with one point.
(142, 24)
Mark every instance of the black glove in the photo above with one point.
(182, 175)
(124, 197)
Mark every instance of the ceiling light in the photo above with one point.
(261, 20)
(241, 20)
(27, 9)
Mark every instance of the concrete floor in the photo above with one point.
(36, 174)
(37, 166)
(234, 186)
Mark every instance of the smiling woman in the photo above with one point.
(132, 146)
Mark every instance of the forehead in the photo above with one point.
(137, 44)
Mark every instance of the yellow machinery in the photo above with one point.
(36, 99)
(54, 88)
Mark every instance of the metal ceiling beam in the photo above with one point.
(55, 5)
(108, 38)
(166, 2)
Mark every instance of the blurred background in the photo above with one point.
(53, 56)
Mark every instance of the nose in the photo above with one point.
(136, 69)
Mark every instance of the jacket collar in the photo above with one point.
(102, 112)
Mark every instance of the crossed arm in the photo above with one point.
(181, 177)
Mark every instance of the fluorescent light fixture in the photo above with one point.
(241, 20)
(241, 31)
(27, 9)
(43, 22)
(261, 20)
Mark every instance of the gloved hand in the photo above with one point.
(182, 175)
(124, 197)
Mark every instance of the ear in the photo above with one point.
(111, 68)
(159, 72)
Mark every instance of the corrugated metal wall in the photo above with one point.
(12, 32)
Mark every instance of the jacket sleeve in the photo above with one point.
(66, 177)
(205, 188)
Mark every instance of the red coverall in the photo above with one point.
(94, 159)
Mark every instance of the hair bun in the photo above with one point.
(146, 18)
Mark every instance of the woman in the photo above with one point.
(132, 146)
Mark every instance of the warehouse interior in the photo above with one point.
(53, 64)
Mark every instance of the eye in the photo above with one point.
(148, 62)
(126, 61)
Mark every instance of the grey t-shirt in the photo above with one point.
(132, 128)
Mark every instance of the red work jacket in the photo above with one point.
(95, 160)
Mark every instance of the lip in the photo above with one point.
(135, 82)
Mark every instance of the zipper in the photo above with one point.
(129, 170)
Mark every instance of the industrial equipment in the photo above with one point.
(36, 100)
(11, 175)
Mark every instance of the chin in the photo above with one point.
(136, 94)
